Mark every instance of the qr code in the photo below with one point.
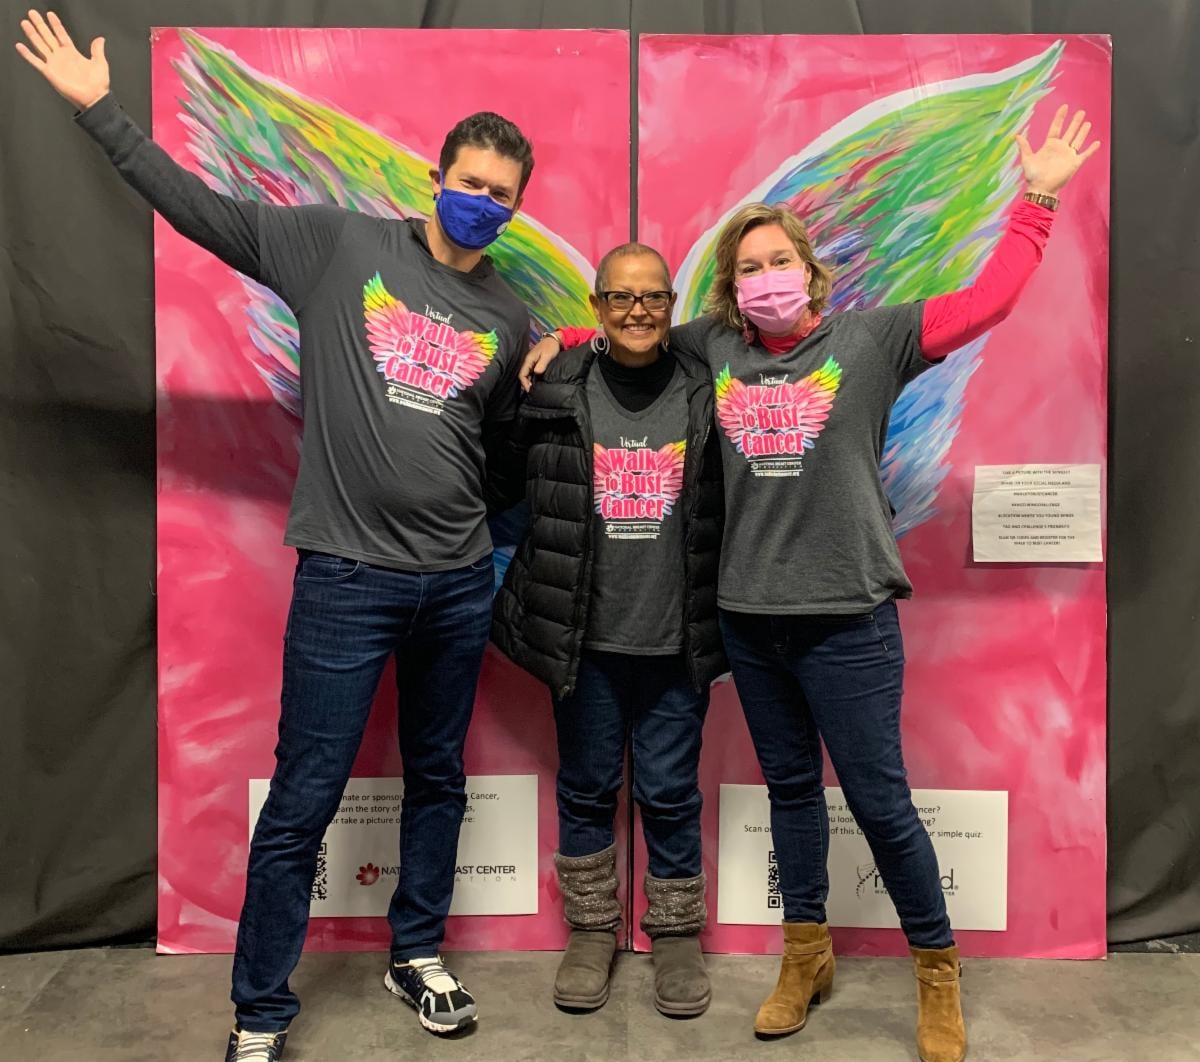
(320, 885)
(774, 899)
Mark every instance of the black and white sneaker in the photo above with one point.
(442, 1004)
(255, 1047)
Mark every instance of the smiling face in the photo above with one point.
(628, 282)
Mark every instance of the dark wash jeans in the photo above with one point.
(802, 679)
(649, 699)
(346, 619)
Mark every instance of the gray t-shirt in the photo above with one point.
(401, 360)
(405, 363)
(808, 528)
(637, 566)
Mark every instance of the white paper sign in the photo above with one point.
(1036, 513)
(497, 849)
(969, 830)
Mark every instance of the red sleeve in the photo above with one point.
(952, 320)
(574, 337)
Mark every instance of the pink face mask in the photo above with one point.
(774, 299)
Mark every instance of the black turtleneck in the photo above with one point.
(637, 389)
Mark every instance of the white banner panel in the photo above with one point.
(969, 829)
(497, 849)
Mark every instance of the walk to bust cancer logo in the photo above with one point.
(636, 487)
(773, 423)
(424, 359)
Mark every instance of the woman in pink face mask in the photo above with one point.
(810, 571)
(776, 284)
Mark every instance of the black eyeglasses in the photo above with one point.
(624, 301)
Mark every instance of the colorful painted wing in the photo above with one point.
(255, 138)
(925, 421)
(905, 199)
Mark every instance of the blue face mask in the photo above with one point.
(471, 221)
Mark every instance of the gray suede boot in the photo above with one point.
(589, 891)
(673, 922)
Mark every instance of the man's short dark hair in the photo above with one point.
(493, 132)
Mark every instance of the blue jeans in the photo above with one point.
(346, 619)
(802, 679)
(652, 697)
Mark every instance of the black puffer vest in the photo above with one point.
(542, 608)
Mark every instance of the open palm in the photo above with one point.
(1049, 168)
(79, 78)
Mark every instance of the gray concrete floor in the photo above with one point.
(131, 1005)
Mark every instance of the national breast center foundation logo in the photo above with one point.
(370, 873)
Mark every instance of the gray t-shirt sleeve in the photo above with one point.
(286, 248)
(502, 403)
(897, 333)
(296, 246)
(688, 340)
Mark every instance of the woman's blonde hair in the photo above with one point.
(722, 296)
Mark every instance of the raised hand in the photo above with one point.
(1048, 169)
(80, 79)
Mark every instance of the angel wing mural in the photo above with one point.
(257, 138)
(905, 199)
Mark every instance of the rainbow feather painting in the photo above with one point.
(904, 198)
(256, 138)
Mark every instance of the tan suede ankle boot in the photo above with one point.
(941, 1033)
(805, 977)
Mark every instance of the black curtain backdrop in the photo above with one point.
(77, 605)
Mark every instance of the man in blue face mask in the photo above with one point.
(410, 345)
(477, 186)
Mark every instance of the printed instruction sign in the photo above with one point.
(359, 860)
(1036, 513)
(969, 830)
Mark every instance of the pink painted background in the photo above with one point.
(1007, 665)
(227, 453)
(1005, 685)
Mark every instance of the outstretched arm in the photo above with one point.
(953, 320)
(284, 248)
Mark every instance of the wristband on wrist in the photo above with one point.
(1050, 202)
